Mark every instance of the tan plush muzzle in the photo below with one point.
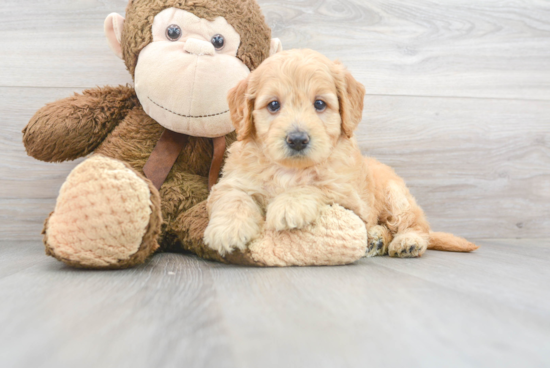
(188, 94)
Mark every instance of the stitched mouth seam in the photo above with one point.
(187, 116)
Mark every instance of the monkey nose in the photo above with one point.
(199, 47)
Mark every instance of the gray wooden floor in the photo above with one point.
(486, 309)
(458, 102)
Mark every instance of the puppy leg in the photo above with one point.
(235, 220)
(406, 221)
(294, 209)
(379, 237)
(409, 244)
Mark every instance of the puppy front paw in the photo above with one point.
(379, 238)
(225, 234)
(287, 214)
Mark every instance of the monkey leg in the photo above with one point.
(185, 217)
(190, 226)
(338, 237)
(107, 216)
(180, 193)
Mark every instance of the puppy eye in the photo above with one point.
(218, 41)
(320, 105)
(274, 106)
(173, 32)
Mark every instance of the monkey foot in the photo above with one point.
(338, 237)
(107, 216)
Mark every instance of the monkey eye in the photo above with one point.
(218, 41)
(274, 106)
(320, 105)
(173, 32)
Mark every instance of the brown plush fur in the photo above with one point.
(244, 15)
(265, 182)
(74, 127)
(190, 228)
(111, 122)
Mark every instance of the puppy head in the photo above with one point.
(297, 106)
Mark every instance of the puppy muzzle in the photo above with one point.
(297, 141)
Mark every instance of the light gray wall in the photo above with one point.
(458, 98)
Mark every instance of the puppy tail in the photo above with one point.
(450, 243)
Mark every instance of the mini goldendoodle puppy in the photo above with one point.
(295, 117)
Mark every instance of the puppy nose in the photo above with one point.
(199, 47)
(298, 141)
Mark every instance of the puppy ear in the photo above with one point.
(241, 108)
(351, 97)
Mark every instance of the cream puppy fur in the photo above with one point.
(295, 117)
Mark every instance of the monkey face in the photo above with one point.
(182, 78)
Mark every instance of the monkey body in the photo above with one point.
(185, 187)
(110, 122)
(109, 214)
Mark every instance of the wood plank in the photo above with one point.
(62, 45)
(29, 187)
(489, 308)
(479, 168)
(424, 48)
(111, 318)
(398, 47)
(352, 315)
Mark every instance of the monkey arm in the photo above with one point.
(73, 127)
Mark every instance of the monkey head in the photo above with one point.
(185, 56)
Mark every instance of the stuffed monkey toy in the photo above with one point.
(156, 148)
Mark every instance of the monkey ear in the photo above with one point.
(114, 24)
(276, 46)
(351, 97)
(241, 108)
